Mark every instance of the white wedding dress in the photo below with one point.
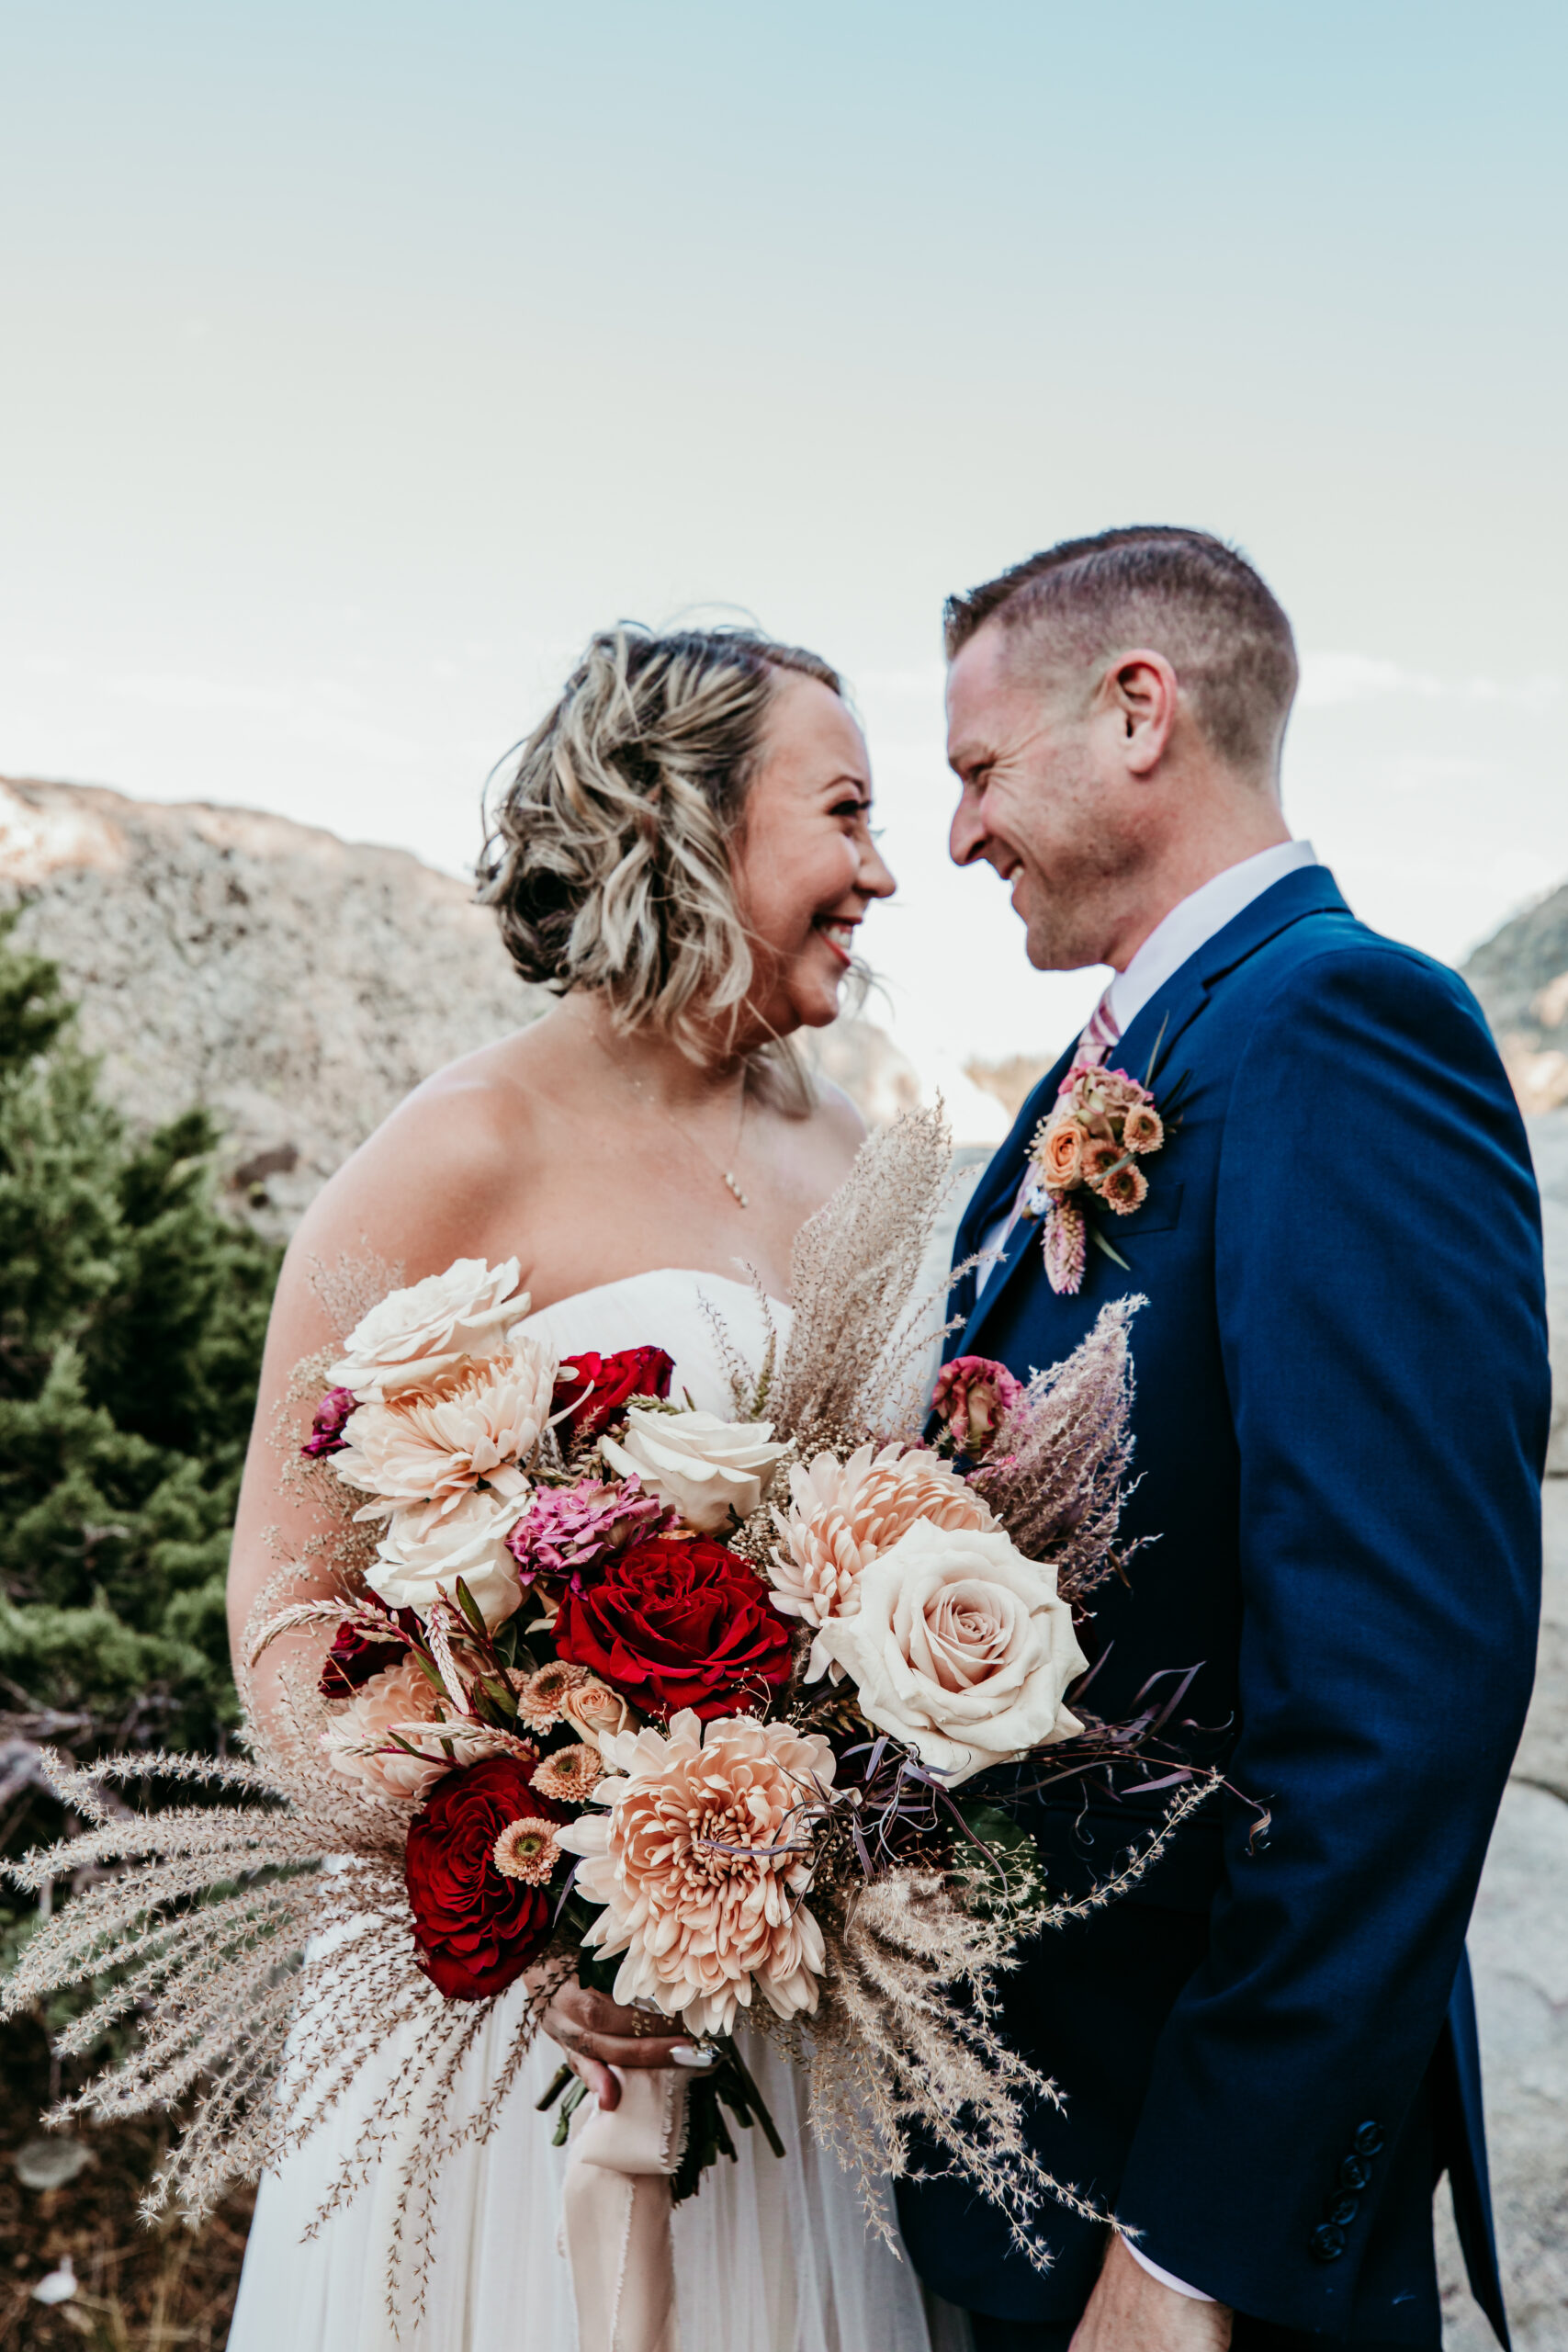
(772, 2256)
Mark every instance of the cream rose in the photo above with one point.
(436, 1441)
(842, 1514)
(699, 1466)
(424, 1551)
(416, 1335)
(591, 1708)
(961, 1648)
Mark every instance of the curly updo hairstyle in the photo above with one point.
(608, 861)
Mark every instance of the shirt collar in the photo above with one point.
(1196, 919)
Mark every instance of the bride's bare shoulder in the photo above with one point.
(834, 1132)
(446, 1171)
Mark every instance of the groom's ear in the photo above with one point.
(1139, 694)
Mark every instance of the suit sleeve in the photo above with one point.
(1379, 1292)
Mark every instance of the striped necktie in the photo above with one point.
(1100, 1032)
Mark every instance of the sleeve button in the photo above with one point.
(1326, 2242)
(1369, 2139)
(1354, 2173)
(1343, 2211)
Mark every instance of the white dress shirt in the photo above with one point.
(1191, 923)
(1189, 926)
(1194, 921)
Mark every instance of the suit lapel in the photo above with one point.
(1157, 1028)
(994, 1197)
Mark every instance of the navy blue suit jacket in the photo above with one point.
(1341, 1419)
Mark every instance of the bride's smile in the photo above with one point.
(806, 865)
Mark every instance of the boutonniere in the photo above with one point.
(1088, 1151)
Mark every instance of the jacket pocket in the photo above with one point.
(1158, 1213)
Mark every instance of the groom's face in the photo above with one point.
(1033, 802)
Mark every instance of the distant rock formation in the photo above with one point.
(297, 984)
(1521, 978)
(1010, 1083)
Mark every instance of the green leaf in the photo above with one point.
(1100, 1242)
(1021, 1873)
(470, 1609)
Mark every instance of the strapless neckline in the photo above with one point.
(707, 1324)
(660, 1274)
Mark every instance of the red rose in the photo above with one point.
(475, 1929)
(592, 1388)
(354, 1657)
(678, 1622)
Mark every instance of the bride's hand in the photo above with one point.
(597, 2033)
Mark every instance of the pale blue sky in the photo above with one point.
(359, 360)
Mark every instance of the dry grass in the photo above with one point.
(140, 2289)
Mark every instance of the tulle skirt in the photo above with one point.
(773, 2255)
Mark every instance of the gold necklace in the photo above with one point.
(725, 1175)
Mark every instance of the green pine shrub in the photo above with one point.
(132, 1313)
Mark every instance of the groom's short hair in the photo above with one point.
(1182, 593)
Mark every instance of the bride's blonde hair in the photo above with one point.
(608, 861)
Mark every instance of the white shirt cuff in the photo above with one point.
(1194, 2294)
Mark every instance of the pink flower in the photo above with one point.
(569, 1530)
(526, 1850)
(701, 1865)
(540, 1698)
(566, 1774)
(972, 1393)
(1097, 1159)
(326, 1430)
(1062, 1242)
(1143, 1129)
(1124, 1191)
(1057, 1151)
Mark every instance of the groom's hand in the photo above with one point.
(597, 2033)
(1130, 2312)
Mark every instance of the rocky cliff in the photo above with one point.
(1521, 975)
(297, 984)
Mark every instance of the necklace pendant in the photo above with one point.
(735, 1190)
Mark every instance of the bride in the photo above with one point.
(684, 854)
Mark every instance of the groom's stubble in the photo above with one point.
(1037, 805)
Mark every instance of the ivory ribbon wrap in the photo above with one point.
(615, 2219)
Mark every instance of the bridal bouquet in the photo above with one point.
(693, 1705)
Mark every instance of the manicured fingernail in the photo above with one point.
(689, 2054)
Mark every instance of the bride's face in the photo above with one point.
(806, 866)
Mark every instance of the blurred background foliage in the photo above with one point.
(132, 1313)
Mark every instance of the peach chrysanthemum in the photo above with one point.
(435, 1443)
(526, 1850)
(842, 1514)
(567, 1773)
(698, 1864)
(539, 1699)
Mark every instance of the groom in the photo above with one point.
(1268, 2051)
